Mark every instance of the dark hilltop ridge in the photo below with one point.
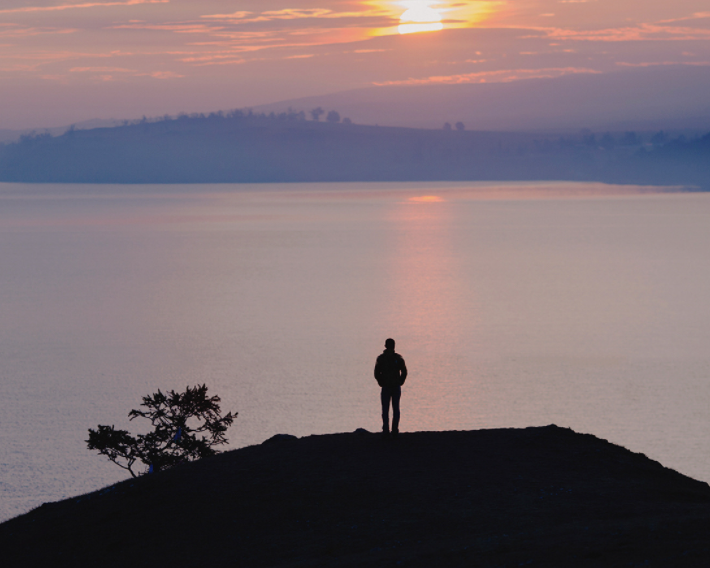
(243, 147)
(510, 497)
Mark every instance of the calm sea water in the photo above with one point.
(582, 305)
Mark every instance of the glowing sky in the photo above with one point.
(63, 61)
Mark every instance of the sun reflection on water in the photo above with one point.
(427, 305)
(426, 199)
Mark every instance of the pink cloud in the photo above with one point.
(642, 32)
(268, 29)
(101, 70)
(58, 56)
(75, 6)
(56, 78)
(232, 16)
(298, 13)
(107, 73)
(166, 75)
(498, 76)
(59, 40)
(657, 63)
(213, 58)
(18, 32)
(696, 16)
(227, 62)
(18, 68)
(172, 27)
(223, 62)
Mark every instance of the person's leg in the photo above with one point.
(396, 394)
(385, 398)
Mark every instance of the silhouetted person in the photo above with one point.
(390, 372)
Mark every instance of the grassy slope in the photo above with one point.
(542, 496)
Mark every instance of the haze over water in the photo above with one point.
(513, 304)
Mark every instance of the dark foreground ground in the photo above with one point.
(534, 497)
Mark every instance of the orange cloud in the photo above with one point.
(298, 14)
(30, 9)
(301, 50)
(232, 16)
(290, 14)
(642, 32)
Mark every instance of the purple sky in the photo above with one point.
(64, 61)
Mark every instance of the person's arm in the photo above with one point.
(378, 372)
(403, 372)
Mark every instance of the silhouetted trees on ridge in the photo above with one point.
(294, 145)
(238, 115)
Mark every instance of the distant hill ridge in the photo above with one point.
(243, 147)
(646, 98)
(509, 497)
(8, 135)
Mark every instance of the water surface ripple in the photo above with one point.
(582, 305)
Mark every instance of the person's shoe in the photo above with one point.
(395, 433)
(385, 433)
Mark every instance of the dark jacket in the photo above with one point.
(390, 370)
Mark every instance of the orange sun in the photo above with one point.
(419, 17)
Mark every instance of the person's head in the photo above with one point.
(389, 344)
